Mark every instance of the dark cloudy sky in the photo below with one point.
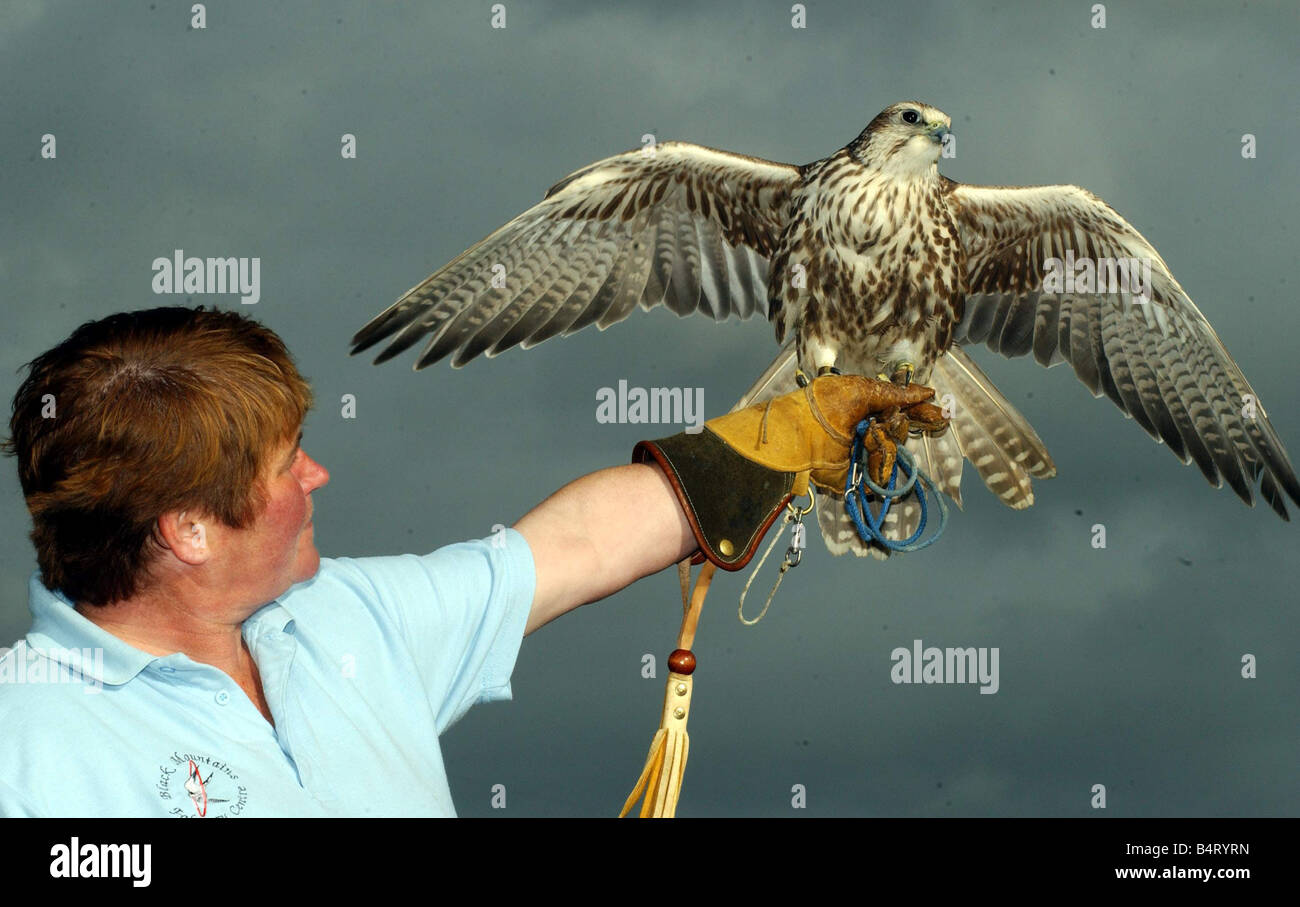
(1118, 667)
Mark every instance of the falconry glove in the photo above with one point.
(735, 476)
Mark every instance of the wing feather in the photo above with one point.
(1157, 359)
(588, 292)
(698, 226)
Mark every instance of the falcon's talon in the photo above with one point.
(827, 370)
(906, 369)
(801, 377)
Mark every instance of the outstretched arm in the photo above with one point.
(717, 492)
(600, 533)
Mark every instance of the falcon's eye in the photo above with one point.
(910, 116)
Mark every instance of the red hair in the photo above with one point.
(140, 414)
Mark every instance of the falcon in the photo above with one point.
(871, 262)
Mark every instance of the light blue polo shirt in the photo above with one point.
(363, 667)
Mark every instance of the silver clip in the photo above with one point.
(793, 555)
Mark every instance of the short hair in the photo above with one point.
(140, 414)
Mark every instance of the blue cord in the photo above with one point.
(870, 527)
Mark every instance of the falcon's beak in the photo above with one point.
(937, 131)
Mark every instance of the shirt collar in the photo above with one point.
(57, 627)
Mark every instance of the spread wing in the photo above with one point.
(688, 227)
(1158, 360)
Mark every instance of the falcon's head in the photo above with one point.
(904, 138)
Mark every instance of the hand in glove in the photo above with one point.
(735, 476)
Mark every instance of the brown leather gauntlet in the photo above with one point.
(736, 475)
(729, 500)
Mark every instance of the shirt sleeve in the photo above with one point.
(462, 610)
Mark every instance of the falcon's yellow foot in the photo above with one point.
(903, 372)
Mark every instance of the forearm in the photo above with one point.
(601, 532)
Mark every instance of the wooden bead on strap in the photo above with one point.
(682, 661)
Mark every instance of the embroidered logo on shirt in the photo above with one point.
(211, 787)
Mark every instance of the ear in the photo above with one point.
(186, 535)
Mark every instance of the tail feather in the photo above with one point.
(941, 458)
(1023, 442)
(999, 442)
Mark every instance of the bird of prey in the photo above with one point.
(868, 261)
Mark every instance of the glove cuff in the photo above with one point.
(730, 501)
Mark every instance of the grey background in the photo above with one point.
(1118, 666)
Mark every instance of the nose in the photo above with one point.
(313, 475)
(938, 131)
